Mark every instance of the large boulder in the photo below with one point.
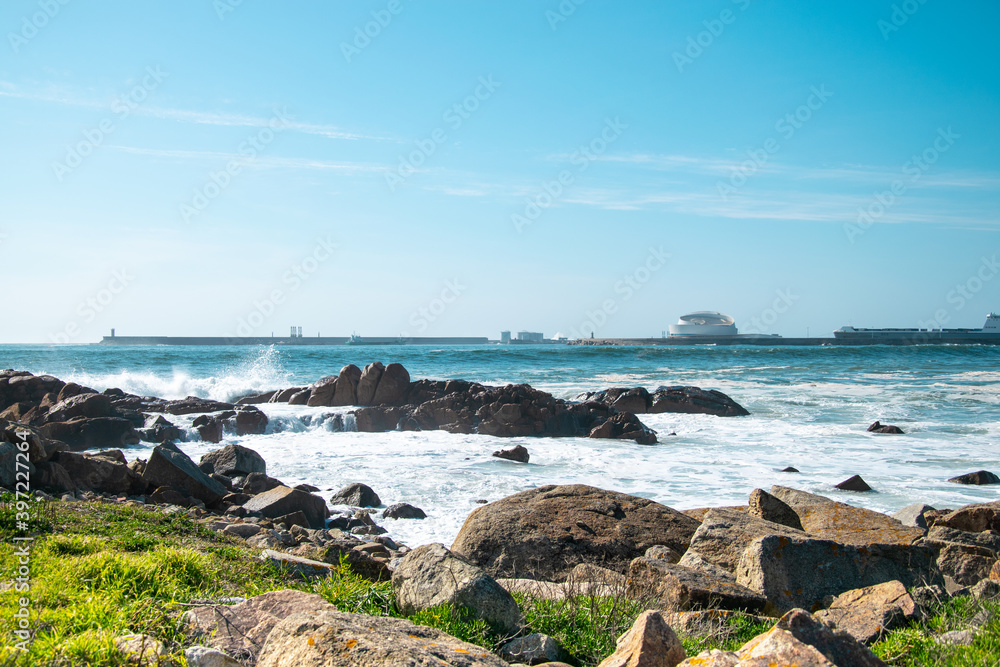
(102, 473)
(323, 391)
(785, 569)
(336, 639)
(240, 630)
(356, 495)
(973, 518)
(346, 392)
(250, 421)
(282, 500)
(724, 534)
(765, 506)
(624, 426)
(868, 613)
(194, 405)
(368, 383)
(81, 405)
(169, 466)
(798, 638)
(92, 433)
(393, 386)
(233, 460)
(696, 400)
(430, 575)
(547, 531)
(650, 641)
(830, 520)
(680, 588)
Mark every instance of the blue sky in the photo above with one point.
(446, 168)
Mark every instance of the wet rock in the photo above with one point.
(169, 466)
(209, 428)
(81, 405)
(300, 397)
(158, 430)
(518, 453)
(695, 400)
(783, 569)
(335, 639)
(281, 500)
(913, 515)
(368, 382)
(195, 405)
(853, 483)
(725, 534)
(356, 495)
(256, 399)
(393, 387)
(624, 426)
(403, 511)
(840, 522)
(250, 421)
(233, 460)
(868, 613)
(322, 391)
(549, 530)
(346, 392)
(650, 642)
(979, 478)
(789, 469)
(769, 508)
(431, 575)
(878, 427)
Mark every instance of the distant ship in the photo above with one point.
(989, 335)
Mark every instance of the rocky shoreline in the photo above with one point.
(833, 577)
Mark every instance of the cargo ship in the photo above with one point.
(988, 335)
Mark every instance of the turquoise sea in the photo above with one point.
(809, 409)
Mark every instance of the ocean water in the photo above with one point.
(809, 409)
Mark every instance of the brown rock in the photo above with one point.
(696, 400)
(393, 386)
(839, 522)
(334, 639)
(680, 588)
(837, 648)
(100, 473)
(300, 397)
(240, 630)
(518, 453)
(282, 500)
(980, 478)
(81, 405)
(725, 534)
(648, 643)
(966, 564)
(973, 518)
(853, 483)
(368, 383)
(92, 433)
(995, 571)
(868, 613)
(548, 531)
(765, 506)
(878, 427)
(322, 391)
(347, 386)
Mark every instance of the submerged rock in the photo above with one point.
(980, 478)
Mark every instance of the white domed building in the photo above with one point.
(704, 323)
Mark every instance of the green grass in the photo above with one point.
(100, 570)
